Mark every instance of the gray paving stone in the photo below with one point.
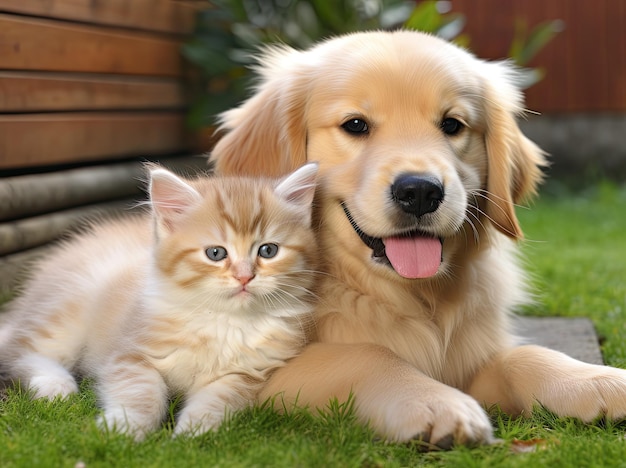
(575, 337)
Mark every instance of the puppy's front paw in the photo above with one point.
(591, 392)
(522, 377)
(441, 419)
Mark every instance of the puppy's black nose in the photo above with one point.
(417, 194)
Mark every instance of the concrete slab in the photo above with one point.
(575, 337)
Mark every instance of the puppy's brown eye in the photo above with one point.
(451, 126)
(356, 127)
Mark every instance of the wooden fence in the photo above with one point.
(585, 64)
(84, 82)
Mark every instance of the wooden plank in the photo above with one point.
(552, 93)
(38, 230)
(585, 65)
(39, 92)
(36, 44)
(14, 268)
(28, 140)
(616, 66)
(35, 194)
(153, 15)
(488, 25)
(590, 79)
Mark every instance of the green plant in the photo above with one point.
(526, 44)
(430, 17)
(227, 35)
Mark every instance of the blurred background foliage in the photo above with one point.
(228, 34)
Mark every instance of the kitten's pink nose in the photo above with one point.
(243, 272)
(244, 279)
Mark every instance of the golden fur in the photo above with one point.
(419, 355)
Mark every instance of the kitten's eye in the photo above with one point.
(451, 126)
(268, 250)
(217, 254)
(357, 127)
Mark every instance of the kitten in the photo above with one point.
(200, 299)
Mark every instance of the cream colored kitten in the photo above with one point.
(202, 299)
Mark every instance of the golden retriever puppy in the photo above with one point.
(421, 165)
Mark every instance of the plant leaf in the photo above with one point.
(540, 35)
(424, 17)
(451, 27)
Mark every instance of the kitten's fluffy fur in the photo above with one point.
(153, 307)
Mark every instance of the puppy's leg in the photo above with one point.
(521, 377)
(399, 402)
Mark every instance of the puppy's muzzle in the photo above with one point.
(417, 194)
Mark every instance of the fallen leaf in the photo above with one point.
(528, 446)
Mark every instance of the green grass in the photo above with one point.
(576, 251)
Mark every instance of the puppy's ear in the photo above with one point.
(514, 161)
(266, 135)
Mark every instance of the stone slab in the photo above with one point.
(575, 337)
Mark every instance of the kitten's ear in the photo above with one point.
(299, 186)
(170, 197)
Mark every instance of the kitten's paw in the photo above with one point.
(53, 386)
(118, 420)
(193, 425)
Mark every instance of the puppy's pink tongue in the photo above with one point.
(414, 257)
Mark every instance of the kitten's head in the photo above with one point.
(236, 244)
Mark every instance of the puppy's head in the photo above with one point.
(416, 139)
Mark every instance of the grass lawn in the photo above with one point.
(576, 252)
